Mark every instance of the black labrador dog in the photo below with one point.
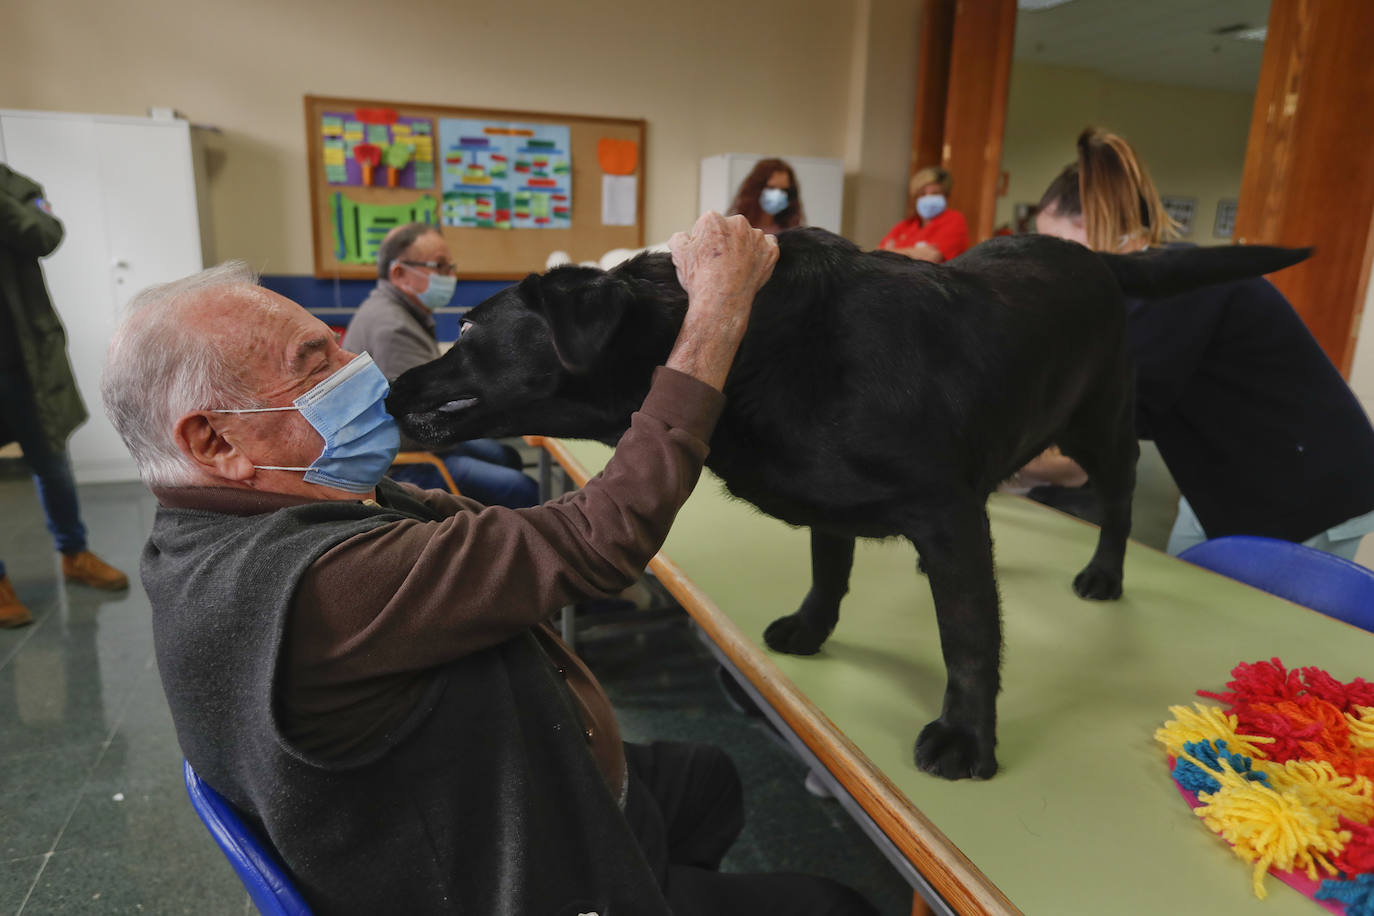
(872, 396)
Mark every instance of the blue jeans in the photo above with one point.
(483, 469)
(52, 471)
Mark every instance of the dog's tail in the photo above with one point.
(1161, 272)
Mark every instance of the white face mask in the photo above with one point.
(929, 206)
(773, 201)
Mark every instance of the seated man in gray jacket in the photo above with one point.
(365, 669)
(395, 325)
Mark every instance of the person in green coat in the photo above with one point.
(39, 402)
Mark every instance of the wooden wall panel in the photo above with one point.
(976, 107)
(1309, 172)
(932, 86)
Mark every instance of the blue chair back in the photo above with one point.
(255, 861)
(1304, 575)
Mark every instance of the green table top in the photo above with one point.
(1083, 816)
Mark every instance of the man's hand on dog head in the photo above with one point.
(721, 264)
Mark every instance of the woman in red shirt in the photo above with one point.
(934, 232)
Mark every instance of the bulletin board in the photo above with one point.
(506, 188)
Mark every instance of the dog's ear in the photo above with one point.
(582, 308)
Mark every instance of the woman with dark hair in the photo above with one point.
(1258, 428)
(931, 231)
(770, 197)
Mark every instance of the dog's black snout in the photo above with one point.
(398, 398)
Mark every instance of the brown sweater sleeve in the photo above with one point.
(412, 595)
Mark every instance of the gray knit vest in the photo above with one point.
(484, 801)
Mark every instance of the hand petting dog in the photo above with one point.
(721, 264)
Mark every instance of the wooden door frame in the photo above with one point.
(1309, 178)
(964, 76)
(932, 86)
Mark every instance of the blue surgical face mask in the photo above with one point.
(773, 201)
(439, 292)
(348, 410)
(930, 206)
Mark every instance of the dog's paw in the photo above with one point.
(795, 636)
(1097, 584)
(953, 753)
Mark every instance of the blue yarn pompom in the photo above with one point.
(1357, 895)
(1195, 779)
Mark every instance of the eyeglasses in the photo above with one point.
(443, 268)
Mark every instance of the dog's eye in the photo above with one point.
(464, 327)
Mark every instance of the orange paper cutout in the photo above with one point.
(617, 157)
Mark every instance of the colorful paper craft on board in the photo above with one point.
(499, 175)
(343, 130)
(360, 227)
(617, 157)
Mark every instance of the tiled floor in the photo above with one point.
(93, 814)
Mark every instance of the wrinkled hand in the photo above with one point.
(723, 258)
(721, 264)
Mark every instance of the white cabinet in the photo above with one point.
(125, 191)
(821, 181)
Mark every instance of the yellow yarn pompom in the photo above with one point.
(1317, 784)
(1270, 828)
(1207, 723)
(1362, 727)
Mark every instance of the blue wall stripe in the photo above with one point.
(335, 301)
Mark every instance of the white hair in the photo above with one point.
(156, 371)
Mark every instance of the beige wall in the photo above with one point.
(1191, 140)
(710, 76)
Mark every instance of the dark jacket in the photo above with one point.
(32, 339)
(1259, 430)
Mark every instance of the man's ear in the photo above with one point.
(212, 453)
(582, 308)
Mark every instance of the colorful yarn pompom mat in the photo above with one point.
(1283, 770)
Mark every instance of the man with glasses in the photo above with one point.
(395, 324)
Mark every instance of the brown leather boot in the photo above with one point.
(86, 568)
(12, 612)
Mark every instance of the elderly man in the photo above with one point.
(365, 669)
(395, 324)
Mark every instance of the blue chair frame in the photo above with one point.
(1304, 575)
(256, 863)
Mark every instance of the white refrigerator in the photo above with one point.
(125, 191)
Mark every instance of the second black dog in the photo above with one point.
(872, 396)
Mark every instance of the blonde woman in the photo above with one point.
(1259, 429)
(933, 232)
